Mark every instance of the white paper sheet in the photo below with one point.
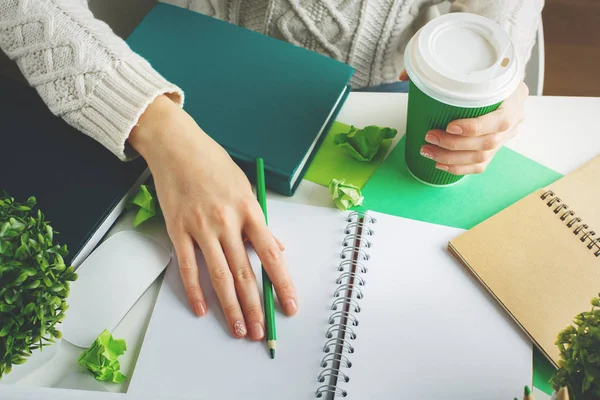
(428, 330)
(183, 354)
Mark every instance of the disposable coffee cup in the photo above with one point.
(460, 65)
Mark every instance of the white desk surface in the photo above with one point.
(559, 132)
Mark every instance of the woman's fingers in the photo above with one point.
(188, 269)
(245, 284)
(510, 113)
(454, 157)
(496, 121)
(403, 75)
(279, 244)
(464, 169)
(223, 283)
(273, 262)
(452, 142)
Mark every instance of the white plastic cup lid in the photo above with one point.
(463, 60)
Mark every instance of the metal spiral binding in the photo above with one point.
(351, 264)
(574, 222)
(345, 305)
(331, 357)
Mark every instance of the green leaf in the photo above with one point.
(8, 298)
(33, 285)
(57, 287)
(20, 279)
(17, 225)
(28, 309)
(30, 271)
(4, 308)
(4, 229)
(5, 329)
(50, 234)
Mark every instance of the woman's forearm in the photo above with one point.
(84, 72)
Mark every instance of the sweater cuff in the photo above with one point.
(117, 102)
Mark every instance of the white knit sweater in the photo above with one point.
(90, 77)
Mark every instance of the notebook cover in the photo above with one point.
(255, 95)
(76, 181)
(532, 262)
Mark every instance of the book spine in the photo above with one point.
(580, 229)
(345, 307)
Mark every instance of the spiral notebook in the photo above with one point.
(384, 310)
(540, 257)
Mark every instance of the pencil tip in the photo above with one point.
(527, 391)
(272, 351)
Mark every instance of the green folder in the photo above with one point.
(255, 95)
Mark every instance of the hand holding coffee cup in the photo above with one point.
(465, 97)
(468, 145)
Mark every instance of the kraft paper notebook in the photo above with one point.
(384, 311)
(540, 257)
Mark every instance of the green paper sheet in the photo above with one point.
(333, 162)
(101, 358)
(542, 372)
(509, 177)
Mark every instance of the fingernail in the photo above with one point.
(199, 308)
(290, 307)
(426, 152)
(239, 329)
(433, 139)
(257, 332)
(442, 167)
(454, 129)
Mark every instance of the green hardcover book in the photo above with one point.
(255, 95)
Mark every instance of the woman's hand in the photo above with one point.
(207, 200)
(468, 145)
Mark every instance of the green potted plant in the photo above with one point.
(579, 345)
(34, 283)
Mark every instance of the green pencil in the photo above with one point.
(261, 193)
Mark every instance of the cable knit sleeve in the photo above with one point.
(84, 72)
(520, 18)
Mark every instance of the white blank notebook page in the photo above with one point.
(186, 355)
(427, 330)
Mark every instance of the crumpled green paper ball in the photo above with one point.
(148, 205)
(364, 144)
(101, 358)
(344, 195)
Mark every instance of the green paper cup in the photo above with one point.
(460, 65)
